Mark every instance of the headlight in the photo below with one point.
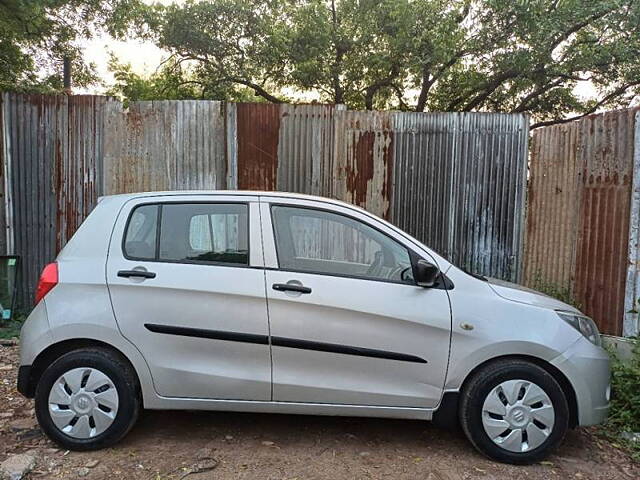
(583, 324)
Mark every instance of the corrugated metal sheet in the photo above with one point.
(364, 160)
(490, 194)
(459, 184)
(631, 323)
(578, 216)
(3, 180)
(305, 148)
(258, 126)
(425, 153)
(51, 144)
(552, 210)
(78, 180)
(164, 145)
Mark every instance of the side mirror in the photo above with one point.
(425, 273)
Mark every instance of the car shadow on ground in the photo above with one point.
(301, 446)
(293, 432)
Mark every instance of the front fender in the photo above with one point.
(465, 363)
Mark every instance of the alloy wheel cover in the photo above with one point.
(83, 403)
(518, 416)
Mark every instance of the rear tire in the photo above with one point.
(87, 399)
(514, 411)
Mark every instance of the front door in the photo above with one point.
(348, 324)
(187, 287)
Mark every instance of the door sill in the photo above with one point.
(295, 408)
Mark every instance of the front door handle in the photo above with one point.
(291, 287)
(136, 273)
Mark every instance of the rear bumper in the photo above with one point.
(24, 381)
(588, 369)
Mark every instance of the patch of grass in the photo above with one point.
(11, 328)
(624, 415)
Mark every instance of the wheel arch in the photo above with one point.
(447, 413)
(47, 356)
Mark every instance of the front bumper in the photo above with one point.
(587, 368)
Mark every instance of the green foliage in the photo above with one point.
(172, 81)
(624, 415)
(168, 83)
(10, 329)
(35, 35)
(559, 292)
(435, 55)
(453, 55)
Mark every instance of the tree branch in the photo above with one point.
(524, 103)
(338, 91)
(616, 93)
(371, 90)
(260, 91)
(489, 88)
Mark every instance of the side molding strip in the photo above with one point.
(211, 334)
(282, 342)
(343, 349)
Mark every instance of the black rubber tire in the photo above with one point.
(479, 386)
(124, 380)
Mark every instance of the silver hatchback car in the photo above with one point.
(276, 302)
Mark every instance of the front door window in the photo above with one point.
(317, 241)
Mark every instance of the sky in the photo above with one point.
(144, 57)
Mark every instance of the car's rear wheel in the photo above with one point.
(87, 399)
(514, 411)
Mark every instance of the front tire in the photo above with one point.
(514, 411)
(87, 399)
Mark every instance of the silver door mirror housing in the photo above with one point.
(425, 273)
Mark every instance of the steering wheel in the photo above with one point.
(375, 269)
(402, 271)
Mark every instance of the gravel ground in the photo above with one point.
(195, 446)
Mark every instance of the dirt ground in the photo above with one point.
(196, 446)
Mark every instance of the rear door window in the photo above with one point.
(215, 233)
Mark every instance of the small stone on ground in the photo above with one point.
(17, 466)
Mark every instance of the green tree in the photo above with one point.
(171, 81)
(421, 55)
(35, 35)
(228, 43)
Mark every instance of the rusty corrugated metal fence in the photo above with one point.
(167, 145)
(51, 157)
(455, 181)
(578, 234)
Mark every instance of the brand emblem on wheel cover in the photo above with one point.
(518, 416)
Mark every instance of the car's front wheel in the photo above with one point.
(514, 411)
(87, 399)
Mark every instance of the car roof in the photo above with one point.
(253, 193)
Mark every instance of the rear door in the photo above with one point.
(186, 280)
(348, 324)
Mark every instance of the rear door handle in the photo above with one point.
(136, 273)
(290, 287)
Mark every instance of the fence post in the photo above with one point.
(632, 288)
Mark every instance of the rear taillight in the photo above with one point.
(48, 280)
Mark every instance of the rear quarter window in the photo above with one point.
(140, 238)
